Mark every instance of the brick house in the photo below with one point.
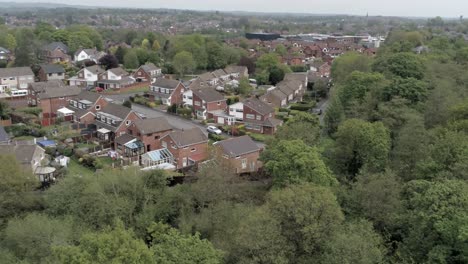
(169, 92)
(55, 52)
(85, 106)
(241, 153)
(206, 100)
(53, 98)
(188, 147)
(275, 98)
(48, 72)
(259, 117)
(150, 131)
(113, 121)
(147, 73)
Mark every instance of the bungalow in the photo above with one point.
(87, 77)
(49, 72)
(15, 79)
(259, 117)
(147, 73)
(169, 92)
(188, 147)
(55, 52)
(113, 121)
(241, 153)
(206, 100)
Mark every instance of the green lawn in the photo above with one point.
(74, 168)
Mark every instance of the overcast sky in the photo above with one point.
(414, 8)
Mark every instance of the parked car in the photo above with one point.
(214, 130)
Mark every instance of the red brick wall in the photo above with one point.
(123, 127)
(251, 158)
(176, 97)
(154, 140)
(140, 73)
(215, 106)
(179, 154)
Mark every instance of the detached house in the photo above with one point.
(169, 92)
(85, 105)
(113, 121)
(50, 72)
(147, 73)
(241, 154)
(14, 81)
(55, 52)
(88, 54)
(5, 54)
(259, 117)
(275, 98)
(87, 77)
(188, 147)
(52, 97)
(206, 100)
(115, 78)
(150, 131)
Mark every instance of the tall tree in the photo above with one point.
(131, 60)
(361, 145)
(183, 63)
(109, 61)
(293, 162)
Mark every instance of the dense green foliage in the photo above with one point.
(382, 179)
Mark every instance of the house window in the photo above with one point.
(219, 103)
(250, 116)
(156, 137)
(139, 73)
(244, 163)
(97, 107)
(197, 103)
(61, 98)
(259, 117)
(193, 150)
(127, 122)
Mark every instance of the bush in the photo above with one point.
(303, 106)
(128, 103)
(211, 120)
(260, 137)
(32, 111)
(185, 112)
(281, 109)
(215, 137)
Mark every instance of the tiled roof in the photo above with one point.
(57, 89)
(16, 71)
(183, 138)
(166, 83)
(53, 68)
(153, 125)
(238, 146)
(149, 67)
(208, 94)
(123, 139)
(54, 45)
(23, 153)
(116, 110)
(118, 71)
(258, 106)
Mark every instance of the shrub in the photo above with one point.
(281, 109)
(215, 137)
(128, 103)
